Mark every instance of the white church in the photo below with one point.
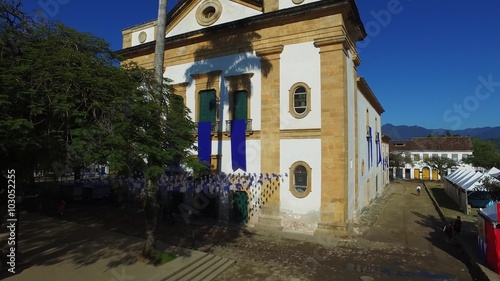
(273, 87)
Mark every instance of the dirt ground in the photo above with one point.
(398, 238)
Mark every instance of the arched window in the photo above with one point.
(300, 100)
(300, 182)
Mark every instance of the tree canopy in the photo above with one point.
(53, 80)
(399, 160)
(64, 98)
(440, 164)
(447, 134)
(485, 155)
(492, 185)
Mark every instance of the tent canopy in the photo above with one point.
(453, 177)
(471, 180)
(490, 213)
(469, 177)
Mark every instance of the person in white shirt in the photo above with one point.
(418, 190)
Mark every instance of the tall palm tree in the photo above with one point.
(152, 185)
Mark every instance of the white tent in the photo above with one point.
(464, 182)
(453, 191)
(464, 176)
(478, 183)
(457, 174)
(454, 174)
(467, 178)
(493, 171)
(473, 181)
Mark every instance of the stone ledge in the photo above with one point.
(269, 222)
(338, 229)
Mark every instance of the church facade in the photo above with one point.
(273, 87)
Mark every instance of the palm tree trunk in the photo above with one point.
(160, 41)
(151, 208)
(151, 213)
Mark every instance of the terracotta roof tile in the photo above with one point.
(433, 144)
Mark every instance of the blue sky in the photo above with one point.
(434, 64)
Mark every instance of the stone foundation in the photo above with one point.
(338, 229)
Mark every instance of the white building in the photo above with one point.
(456, 148)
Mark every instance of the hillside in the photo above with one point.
(407, 132)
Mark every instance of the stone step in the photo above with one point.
(184, 265)
(221, 266)
(201, 268)
(205, 268)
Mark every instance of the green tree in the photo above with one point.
(493, 187)
(441, 164)
(135, 135)
(398, 160)
(52, 79)
(64, 98)
(485, 155)
(446, 134)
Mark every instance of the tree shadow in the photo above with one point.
(229, 57)
(437, 238)
(226, 60)
(99, 232)
(199, 233)
(240, 58)
(45, 241)
(469, 234)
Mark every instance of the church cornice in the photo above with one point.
(369, 95)
(274, 50)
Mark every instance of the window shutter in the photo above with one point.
(240, 105)
(208, 106)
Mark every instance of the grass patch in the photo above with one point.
(163, 257)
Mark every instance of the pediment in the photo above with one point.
(193, 15)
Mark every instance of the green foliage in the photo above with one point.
(493, 187)
(52, 78)
(486, 154)
(399, 160)
(64, 98)
(441, 164)
(163, 257)
(447, 134)
(496, 141)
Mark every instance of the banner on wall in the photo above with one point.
(370, 147)
(379, 150)
(204, 141)
(238, 145)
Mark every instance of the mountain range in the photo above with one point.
(402, 132)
